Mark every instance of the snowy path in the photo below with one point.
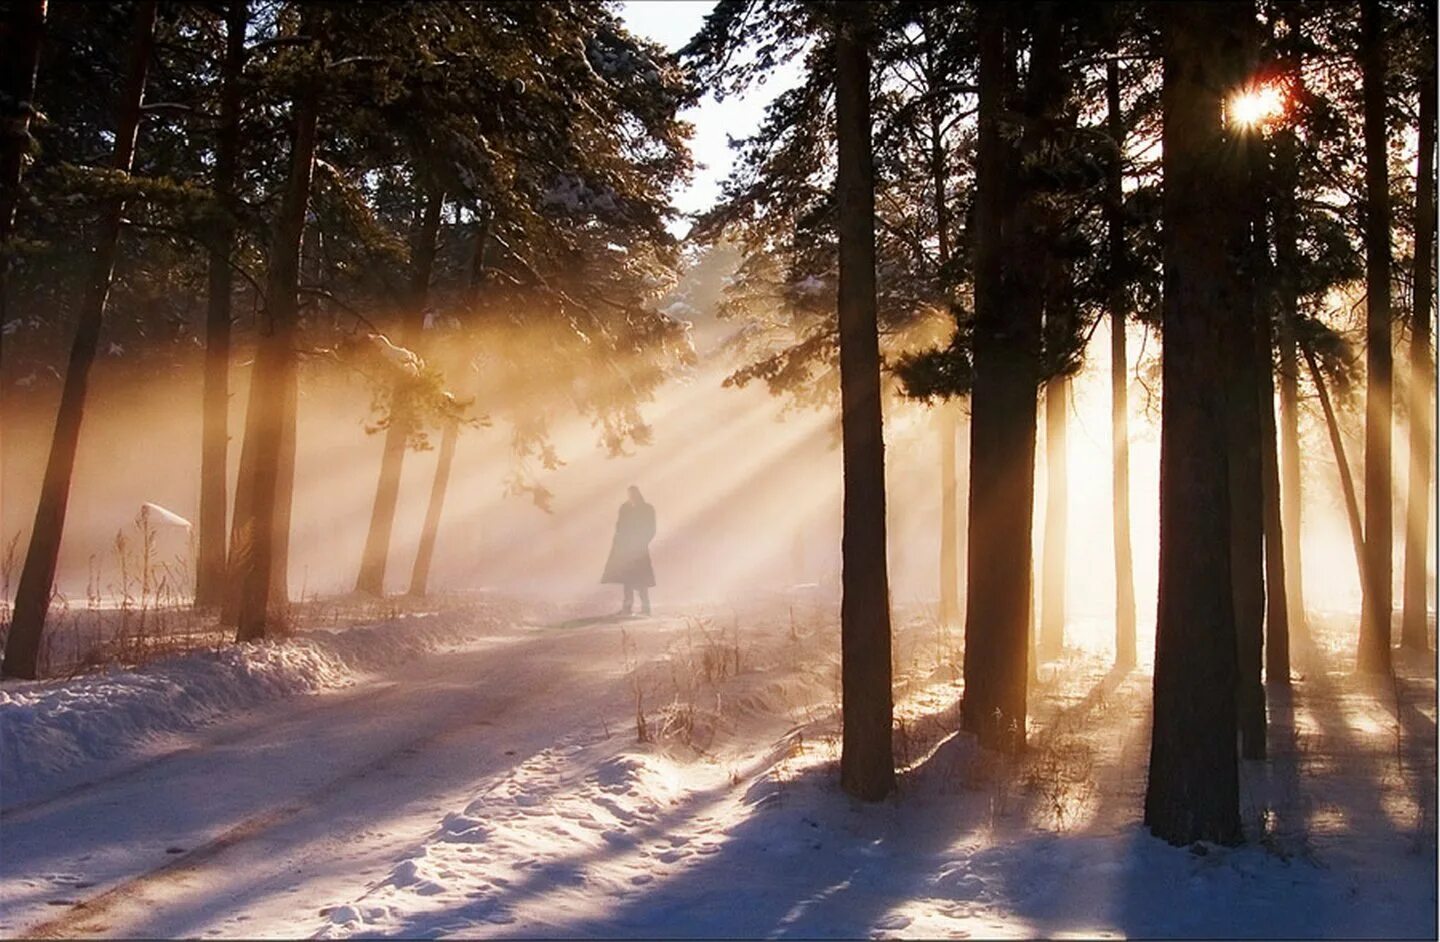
(274, 814)
(499, 790)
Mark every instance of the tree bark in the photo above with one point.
(215, 434)
(949, 516)
(1373, 652)
(1008, 307)
(387, 492)
(947, 423)
(37, 578)
(867, 769)
(1342, 465)
(1247, 366)
(1277, 617)
(274, 374)
(1057, 510)
(1287, 262)
(1193, 788)
(1119, 377)
(1414, 624)
(420, 574)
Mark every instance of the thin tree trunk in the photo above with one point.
(237, 561)
(1347, 482)
(947, 423)
(1287, 261)
(949, 516)
(37, 578)
(215, 434)
(1414, 630)
(284, 495)
(1277, 616)
(1119, 378)
(1277, 609)
(1192, 791)
(867, 769)
(420, 574)
(1373, 652)
(1008, 307)
(1052, 574)
(387, 491)
(274, 374)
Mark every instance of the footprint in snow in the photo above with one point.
(893, 922)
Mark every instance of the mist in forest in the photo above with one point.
(747, 490)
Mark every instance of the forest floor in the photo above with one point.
(557, 774)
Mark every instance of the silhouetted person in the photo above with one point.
(629, 562)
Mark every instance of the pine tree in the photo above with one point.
(867, 768)
(1373, 652)
(1193, 788)
(32, 598)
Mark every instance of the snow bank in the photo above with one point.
(49, 728)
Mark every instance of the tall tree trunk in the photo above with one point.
(1414, 631)
(1277, 616)
(1287, 262)
(387, 491)
(1119, 377)
(420, 574)
(1193, 788)
(946, 421)
(1342, 465)
(1373, 653)
(274, 373)
(867, 768)
(32, 598)
(215, 433)
(1277, 601)
(284, 494)
(1246, 430)
(949, 516)
(1057, 511)
(1008, 306)
(17, 93)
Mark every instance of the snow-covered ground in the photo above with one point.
(499, 785)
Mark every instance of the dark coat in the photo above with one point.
(629, 562)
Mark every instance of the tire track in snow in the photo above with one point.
(28, 810)
(85, 917)
(136, 898)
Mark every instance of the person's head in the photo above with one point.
(635, 497)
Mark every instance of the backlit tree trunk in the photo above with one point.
(37, 578)
(1414, 632)
(949, 516)
(1052, 572)
(215, 434)
(1373, 653)
(1193, 788)
(867, 768)
(1342, 465)
(424, 556)
(274, 376)
(1119, 378)
(1287, 263)
(1008, 306)
(387, 491)
(1247, 503)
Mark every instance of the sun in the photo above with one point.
(1258, 106)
